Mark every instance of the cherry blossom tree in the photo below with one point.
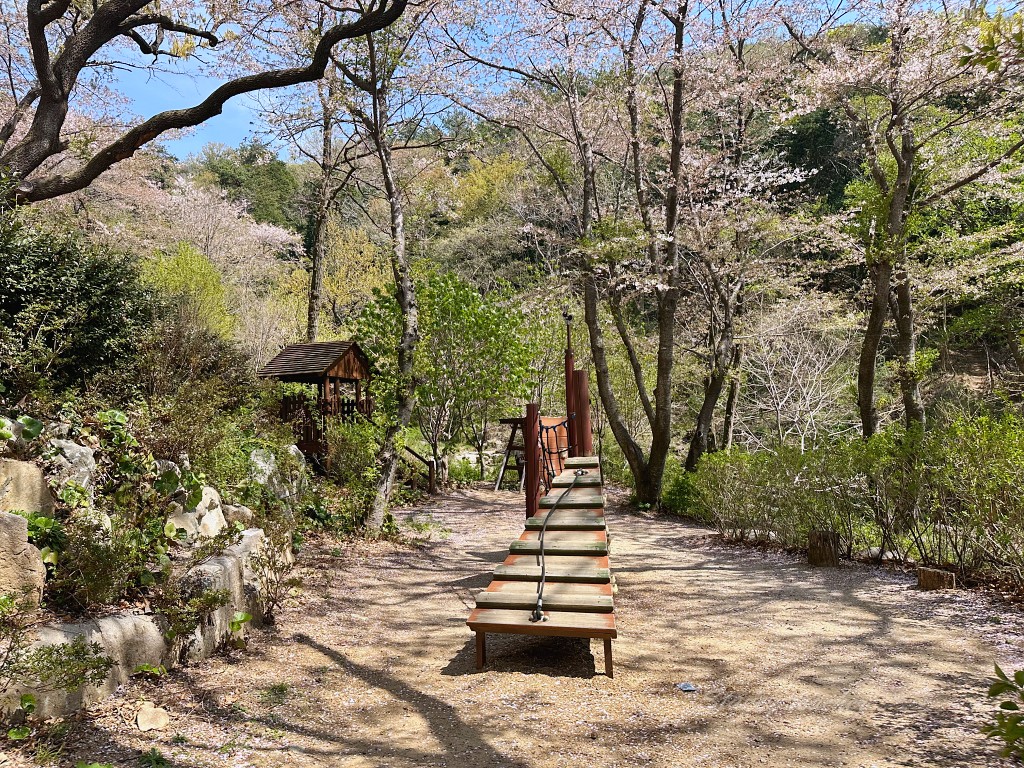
(934, 98)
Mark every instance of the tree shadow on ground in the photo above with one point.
(527, 655)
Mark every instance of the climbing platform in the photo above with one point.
(577, 590)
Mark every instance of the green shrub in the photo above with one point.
(352, 457)
(680, 495)
(65, 667)
(68, 310)
(1008, 723)
(947, 497)
(463, 471)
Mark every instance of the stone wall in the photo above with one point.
(134, 639)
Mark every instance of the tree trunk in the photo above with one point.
(323, 211)
(823, 548)
(406, 291)
(630, 449)
(316, 274)
(648, 471)
(881, 278)
(702, 433)
(732, 400)
(906, 349)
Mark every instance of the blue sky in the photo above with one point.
(154, 92)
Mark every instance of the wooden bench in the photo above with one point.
(578, 598)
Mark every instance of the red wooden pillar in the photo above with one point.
(531, 445)
(584, 430)
(570, 415)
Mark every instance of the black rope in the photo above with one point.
(552, 458)
(538, 608)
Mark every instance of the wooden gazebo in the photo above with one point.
(339, 370)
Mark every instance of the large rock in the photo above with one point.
(186, 521)
(23, 487)
(128, 639)
(74, 464)
(21, 567)
(131, 640)
(238, 513)
(205, 519)
(288, 486)
(229, 571)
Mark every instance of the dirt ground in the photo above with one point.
(372, 665)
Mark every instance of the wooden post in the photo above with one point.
(481, 649)
(570, 389)
(608, 657)
(432, 477)
(584, 430)
(531, 441)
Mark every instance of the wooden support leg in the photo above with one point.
(608, 657)
(481, 649)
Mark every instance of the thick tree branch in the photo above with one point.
(130, 142)
(1016, 147)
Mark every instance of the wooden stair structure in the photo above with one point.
(578, 594)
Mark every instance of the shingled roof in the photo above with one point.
(307, 360)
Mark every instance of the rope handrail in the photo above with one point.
(538, 608)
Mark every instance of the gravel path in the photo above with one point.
(372, 665)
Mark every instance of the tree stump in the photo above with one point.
(823, 548)
(935, 578)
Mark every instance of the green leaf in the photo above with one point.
(1018, 677)
(20, 733)
(1009, 706)
(49, 556)
(239, 620)
(32, 427)
(1001, 675)
(167, 483)
(170, 530)
(27, 703)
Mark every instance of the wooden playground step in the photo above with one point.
(567, 478)
(569, 520)
(578, 590)
(558, 624)
(582, 462)
(555, 573)
(583, 598)
(577, 498)
(558, 543)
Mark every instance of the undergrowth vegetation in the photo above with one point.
(948, 497)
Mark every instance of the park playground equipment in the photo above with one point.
(556, 580)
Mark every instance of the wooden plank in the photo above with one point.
(569, 561)
(566, 479)
(582, 462)
(554, 599)
(559, 589)
(575, 499)
(555, 573)
(559, 548)
(562, 543)
(569, 520)
(565, 536)
(558, 624)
